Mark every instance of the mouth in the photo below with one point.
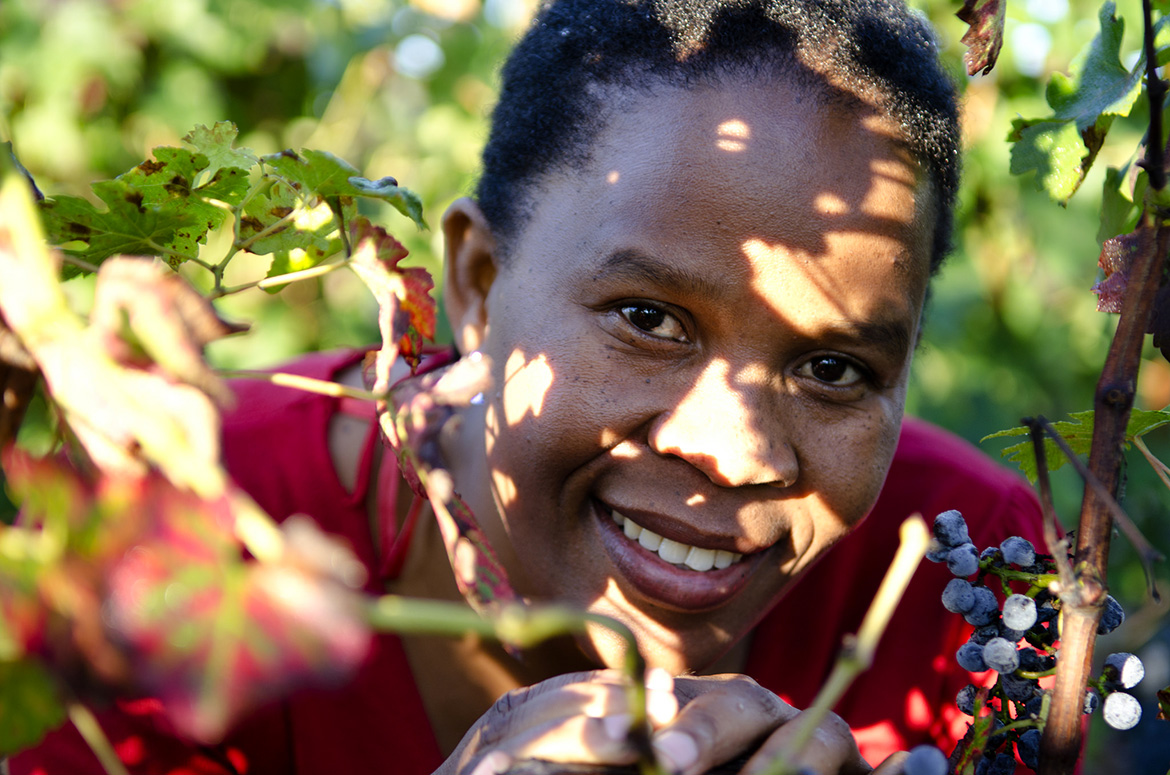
(669, 573)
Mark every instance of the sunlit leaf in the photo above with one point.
(1119, 210)
(323, 174)
(1098, 84)
(280, 220)
(1054, 150)
(1078, 433)
(984, 36)
(30, 704)
(217, 144)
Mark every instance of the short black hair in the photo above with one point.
(551, 104)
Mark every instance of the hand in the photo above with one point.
(582, 719)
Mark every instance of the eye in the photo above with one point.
(654, 321)
(832, 370)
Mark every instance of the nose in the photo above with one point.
(732, 433)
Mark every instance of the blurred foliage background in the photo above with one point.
(403, 88)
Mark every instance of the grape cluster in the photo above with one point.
(1017, 634)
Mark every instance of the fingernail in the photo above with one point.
(659, 678)
(617, 726)
(661, 704)
(492, 764)
(676, 750)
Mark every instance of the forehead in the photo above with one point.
(749, 171)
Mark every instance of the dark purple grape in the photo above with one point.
(1003, 764)
(985, 609)
(1092, 701)
(1028, 747)
(970, 657)
(965, 699)
(1124, 669)
(963, 561)
(985, 633)
(1111, 617)
(1000, 655)
(1018, 551)
(1017, 689)
(958, 597)
(950, 528)
(925, 760)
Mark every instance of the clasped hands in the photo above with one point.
(697, 723)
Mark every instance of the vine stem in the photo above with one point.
(280, 279)
(1061, 742)
(857, 654)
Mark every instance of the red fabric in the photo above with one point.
(276, 448)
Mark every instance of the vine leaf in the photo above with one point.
(1062, 147)
(217, 145)
(330, 178)
(984, 36)
(127, 225)
(29, 704)
(376, 261)
(281, 219)
(1164, 704)
(1117, 255)
(1078, 433)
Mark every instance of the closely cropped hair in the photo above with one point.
(552, 100)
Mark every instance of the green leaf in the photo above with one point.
(29, 704)
(1078, 433)
(1098, 85)
(296, 260)
(325, 175)
(128, 225)
(218, 145)
(1118, 211)
(280, 220)
(1054, 150)
(984, 36)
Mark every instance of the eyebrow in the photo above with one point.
(893, 337)
(643, 268)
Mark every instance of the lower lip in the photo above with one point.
(666, 584)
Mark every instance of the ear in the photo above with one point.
(470, 269)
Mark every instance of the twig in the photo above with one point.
(1156, 88)
(95, 738)
(1148, 554)
(857, 654)
(80, 263)
(1058, 548)
(320, 386)
(280, 279)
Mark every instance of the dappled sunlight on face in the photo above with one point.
(701, 341)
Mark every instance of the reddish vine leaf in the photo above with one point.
(1117, 255)
(984, 36)
(213, 635)
(1164, 704)
(376, 260)
(424, 404)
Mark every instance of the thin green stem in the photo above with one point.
(81, 264)
(87, 725)
(281, 279)
(320, 386)
(857, 654)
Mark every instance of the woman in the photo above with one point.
(697, 260)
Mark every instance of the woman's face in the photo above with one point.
(701, 343)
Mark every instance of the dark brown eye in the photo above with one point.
(654, 321)
(832, 371)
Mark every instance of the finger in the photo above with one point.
(892, 765)
(831, 749)
(579, 739)
(732, 714)
(661, 702)
(538, 706)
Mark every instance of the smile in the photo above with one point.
(693, 557)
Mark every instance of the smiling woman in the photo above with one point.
(697, 262)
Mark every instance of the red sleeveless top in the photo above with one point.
(275, 446)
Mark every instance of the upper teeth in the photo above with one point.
(675, 552)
